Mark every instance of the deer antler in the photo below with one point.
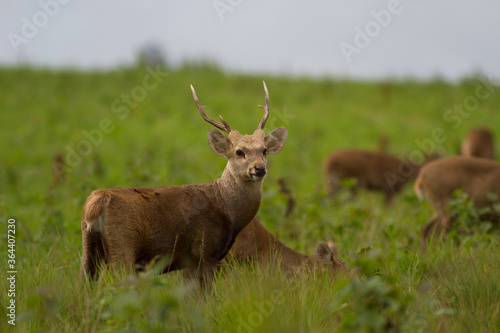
(265, 108)
(224, 126)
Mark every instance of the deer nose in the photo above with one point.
(260, 171)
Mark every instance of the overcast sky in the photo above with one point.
(339, 38)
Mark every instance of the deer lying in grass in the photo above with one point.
(192, 227)
(372, 170)
(478, 143)
(438, 181)
(257, 243)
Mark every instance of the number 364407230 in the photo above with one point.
(11, 239)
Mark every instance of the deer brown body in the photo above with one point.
(478, 143)
(257, 243)
(438, 180)
(190, 227)
(372, 170)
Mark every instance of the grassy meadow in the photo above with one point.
(140, 127)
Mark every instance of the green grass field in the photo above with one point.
(131, 128)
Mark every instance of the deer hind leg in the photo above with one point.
(438, 226)
(92, 256)
(429, 228)
(122, 257)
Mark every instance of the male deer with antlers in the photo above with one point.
(192, 226)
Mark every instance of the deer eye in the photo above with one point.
(240, 153)
(264, 152)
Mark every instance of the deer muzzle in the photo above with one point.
(259, 171)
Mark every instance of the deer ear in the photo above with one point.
(276, 140)
(323, 253)
(217, 141)
(333, 246)
(326, 255)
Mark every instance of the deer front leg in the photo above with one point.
(204, 272)
(207, 276)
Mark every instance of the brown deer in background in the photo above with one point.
(478, 143)
(438, 181)
(372, 170)
(188, 227)
(257, 243)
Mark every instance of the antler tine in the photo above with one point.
(265, 108)
(224, 126)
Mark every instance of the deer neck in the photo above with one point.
(293, 260)
(240, 198)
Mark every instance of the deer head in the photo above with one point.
(246, 154)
